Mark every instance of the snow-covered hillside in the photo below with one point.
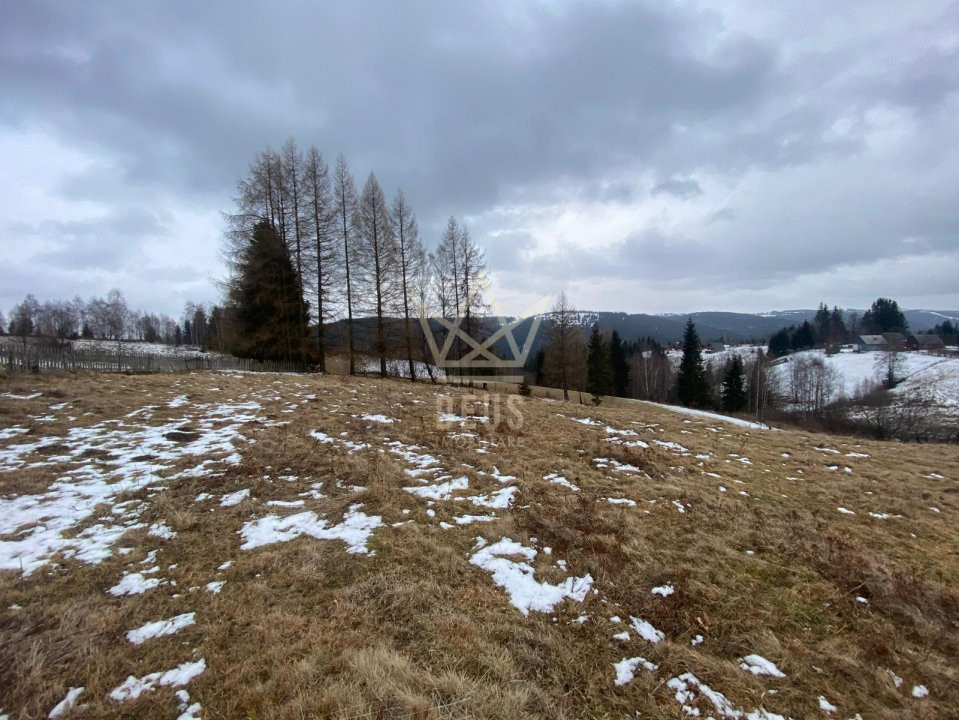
(128, 347)
(933, 376)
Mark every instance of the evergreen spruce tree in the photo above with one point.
(804, 337)
(734, 389)
(539, 365)
(691, 384)
(823, 324)
(837, 326)
(620, 365)
(599, 371)
(780, 343)
(885, 316)
(272, 319)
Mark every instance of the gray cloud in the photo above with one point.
(678, 187)
(837, 146)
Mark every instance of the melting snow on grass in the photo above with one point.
(614, 465)
(354, 530)
(626, 668)
(160, 628)
(68, 702)
(517, 578)
(134, 584)
(7, 433)
(187, 711)
(498, 500)
(826, 706)
(134, 687)
(440, 491)
(689, 689)
(235, 498)
(758, 665)
(126, 457)
(708, 415)
(557, 479)
(646, 631)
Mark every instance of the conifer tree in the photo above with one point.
(823, 323)
(271, 320)
(885, 316)
(691, 384)
(779, 343)
(734, 389)
(620, 365)
(804, 337)
(837, 326)
(599, 371)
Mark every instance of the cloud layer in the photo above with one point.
(644, 157)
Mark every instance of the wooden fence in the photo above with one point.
(43, 358)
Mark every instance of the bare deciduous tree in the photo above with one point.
(651, 375)
(326, 250)
(812, 383)
(344, 201)
(565, 356)
(377, 261)
(412, 259)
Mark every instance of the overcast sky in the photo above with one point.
(644, 157)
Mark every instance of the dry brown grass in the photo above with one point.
(303, 629)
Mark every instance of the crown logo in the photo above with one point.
(480, 355)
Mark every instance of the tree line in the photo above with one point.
(307, 251)
(836, 327)
(603, 364)
(111, 318)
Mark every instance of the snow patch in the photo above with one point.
(758, 665)
(160, 628)
(626, 668)
(354, 530)
(134, 687)
(646, 631)
(68, 702)
(517, 578)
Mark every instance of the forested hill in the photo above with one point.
(734, 327)
(716, 325)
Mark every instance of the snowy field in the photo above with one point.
(237, 545)
(931, 376)
(129, 347)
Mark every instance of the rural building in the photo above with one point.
(894, 340)
(871, 343)
(925, 342)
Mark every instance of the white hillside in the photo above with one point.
(935, 376)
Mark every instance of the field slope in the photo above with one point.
(227, 545)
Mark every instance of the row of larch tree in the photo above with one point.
(309, 252)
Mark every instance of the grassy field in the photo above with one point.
(353, 548)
